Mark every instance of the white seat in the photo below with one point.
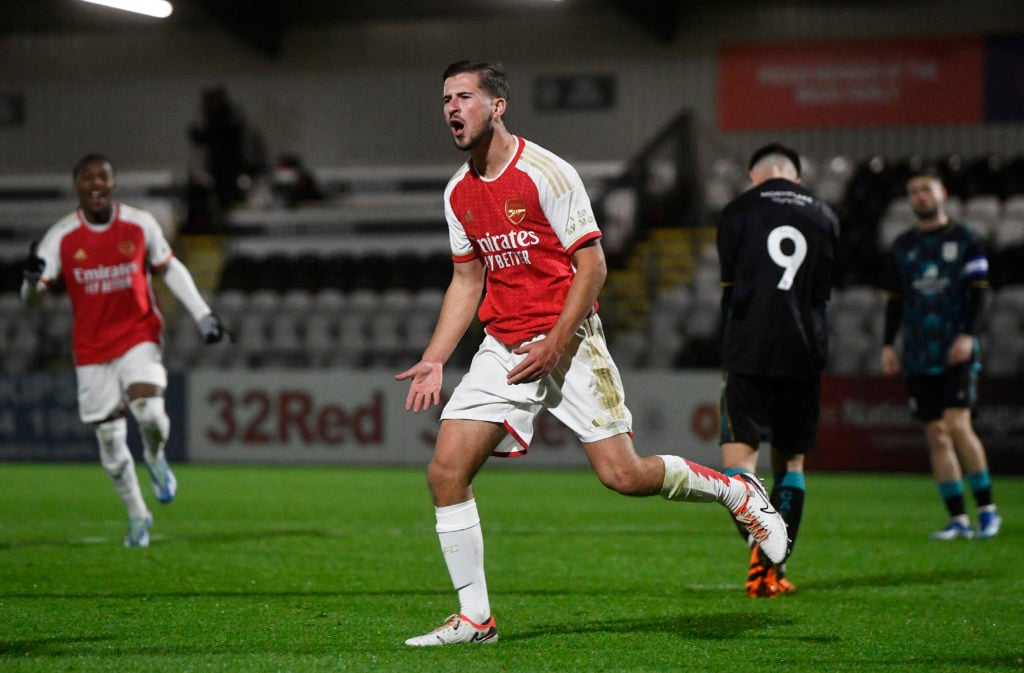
(1009, 233)
(1010, 297)
(980, 227)
(363, 301)
(418, 329)
(899, 208)
(230, 303)
(265, 302)
(396, 300)
(252, 333)
(849, 351)
(329, 300)
(662, 353)
(718, 192)
(1013, 206)
(297, 302)
(701, 323)
(954, 208)
(428, 299)
(890, 227)
(321, 336)
(983, 208)
(677, 299)
(860, 298)
(629, 349)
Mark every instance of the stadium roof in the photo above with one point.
(262, 23)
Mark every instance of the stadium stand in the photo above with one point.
(356, 280)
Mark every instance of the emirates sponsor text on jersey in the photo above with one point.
(504, 250)
(104, 279)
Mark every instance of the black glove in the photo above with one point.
(211, 328)
(34, 264)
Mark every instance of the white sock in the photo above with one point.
(462, 542)
(119, 465)
(685, 480)
(154, 425)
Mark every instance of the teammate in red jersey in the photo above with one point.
(524, 236)
(104, 253)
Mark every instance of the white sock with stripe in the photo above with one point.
(462, 542)
(685, 480)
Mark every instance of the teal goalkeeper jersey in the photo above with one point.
(932, 272)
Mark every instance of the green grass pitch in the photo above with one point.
(330, 569)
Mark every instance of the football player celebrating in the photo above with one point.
(104, 253)
(523, 236)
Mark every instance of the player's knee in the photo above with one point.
(957, 421)
(445, 481)
(149, 412)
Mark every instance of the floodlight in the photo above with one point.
(160, 9)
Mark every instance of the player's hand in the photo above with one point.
(425, 388)
(34, 264)
(211, 328)
(541, 357)
(890, 361)
(961, 350)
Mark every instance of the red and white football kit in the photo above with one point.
(104, 268)
(524, 225)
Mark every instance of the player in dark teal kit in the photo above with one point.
(936, 281)
(776, 245)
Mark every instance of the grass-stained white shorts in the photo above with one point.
(584, 392)
(101, 387)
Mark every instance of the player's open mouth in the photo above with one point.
(457, 126)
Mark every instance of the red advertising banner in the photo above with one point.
(850, 83)
(866, 426)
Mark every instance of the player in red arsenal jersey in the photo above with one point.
(524, 236)
(104, 254)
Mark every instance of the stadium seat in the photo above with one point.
(330, 301)
(1013, 206)
(890, 228)
(629, 349)
(833, 179)
(1009, 233)
(321, 337)
(983, 208)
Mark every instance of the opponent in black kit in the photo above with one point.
(936, 282)
(776, 245)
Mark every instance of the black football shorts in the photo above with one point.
(931, 394)
(754, 409)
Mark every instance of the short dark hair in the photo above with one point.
(775, 148)
(929, 171)
(88, 159)
(493, 79)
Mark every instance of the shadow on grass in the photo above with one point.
(924, 577)
(211, 537)
(48, 646)
(718, 626)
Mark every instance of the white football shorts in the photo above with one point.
(584, 392)
(101, 387)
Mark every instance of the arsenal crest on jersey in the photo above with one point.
(515, 210)
(127, 248)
